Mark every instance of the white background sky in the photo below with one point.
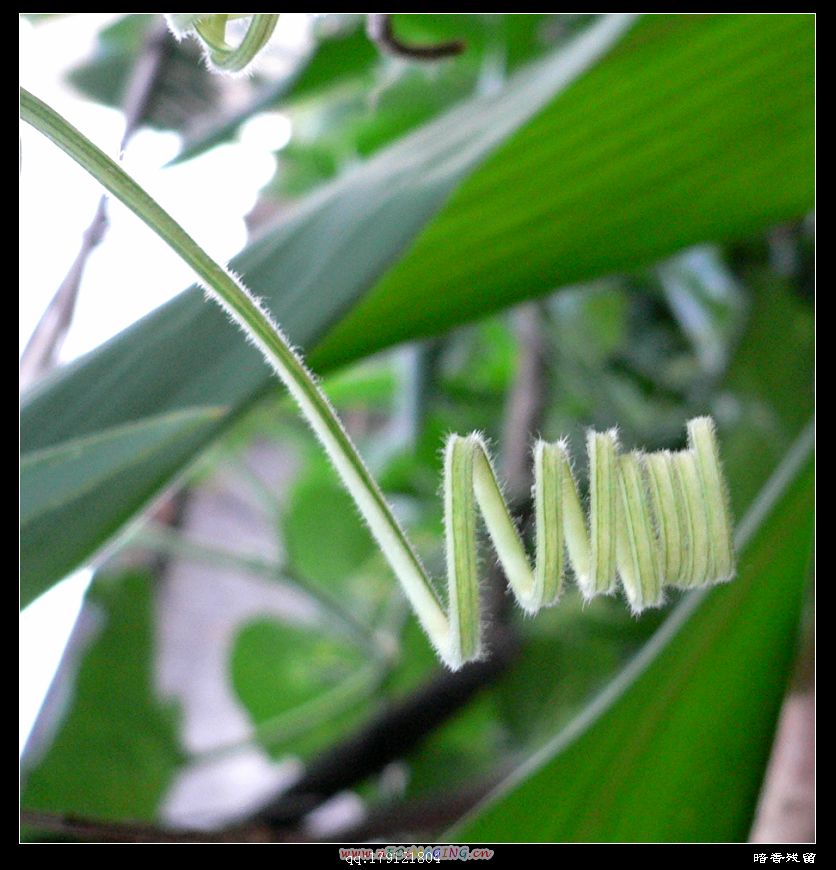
(132, 272)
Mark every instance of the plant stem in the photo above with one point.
(246, 311)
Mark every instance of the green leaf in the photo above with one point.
(650, 759)
(320, 509)
(581, 646)
(771, 384)
(697, 127)
(116, 748)
(301, 169)
(347, 55)
(67, 508)
(298, 685)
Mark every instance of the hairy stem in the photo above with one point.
(246, 311)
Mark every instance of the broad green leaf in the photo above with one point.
(301, 169)
(770, 384)
(301, 687)
(320, 510)
(341, 240)
(578, 646)
(344, 56)
(116, 746)
(63, 487)
(675, 748)
(696, 127)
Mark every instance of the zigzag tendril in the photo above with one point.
(654, 519)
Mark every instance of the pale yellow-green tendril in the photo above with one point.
(654, 519)
(209, 28)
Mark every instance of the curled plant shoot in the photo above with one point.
(209, 28)
(654, 520)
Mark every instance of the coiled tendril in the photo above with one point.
(654, 519)
(209, 28)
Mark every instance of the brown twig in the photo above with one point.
(380, 32)
(786, 810)
(105, 831)
(42, 349)
(41, 352)
(420, 817)
(526, 401)
(392, 734)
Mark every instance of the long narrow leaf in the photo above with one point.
(61, 486)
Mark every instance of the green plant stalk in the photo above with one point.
(246, 311)
(641, 508)
(210, 30)
(226, 58)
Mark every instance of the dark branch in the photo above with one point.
(526, 401)
(42, 349)
(392, 734)
(105, 831)
(422, 816)
(379, 30)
